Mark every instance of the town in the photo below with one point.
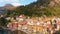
(38, 25)
(29, 16)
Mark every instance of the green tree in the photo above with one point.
(3, 21)
(43, 2)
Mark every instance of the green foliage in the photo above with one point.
(57, 32)
(44, 2)
(3, 21)
(38, 8)
(30, 11)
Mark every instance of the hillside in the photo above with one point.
(9, 6)
(39, 8)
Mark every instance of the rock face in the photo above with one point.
(54, 2)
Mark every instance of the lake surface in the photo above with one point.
(2, 31)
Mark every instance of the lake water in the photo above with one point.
(4, 31)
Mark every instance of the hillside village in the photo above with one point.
(40, 17)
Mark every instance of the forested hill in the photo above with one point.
(39, 8)
(45, 3)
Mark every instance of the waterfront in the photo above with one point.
(7, 31)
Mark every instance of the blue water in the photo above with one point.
(3, 32)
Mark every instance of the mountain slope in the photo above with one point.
(40, 8)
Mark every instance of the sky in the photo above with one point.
(16, 2)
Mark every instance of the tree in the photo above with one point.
(57, 32)
(34, 9)
(43, 2)
(3, 21)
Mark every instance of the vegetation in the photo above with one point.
(57, 32)
(38, 8)
(3, 21)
